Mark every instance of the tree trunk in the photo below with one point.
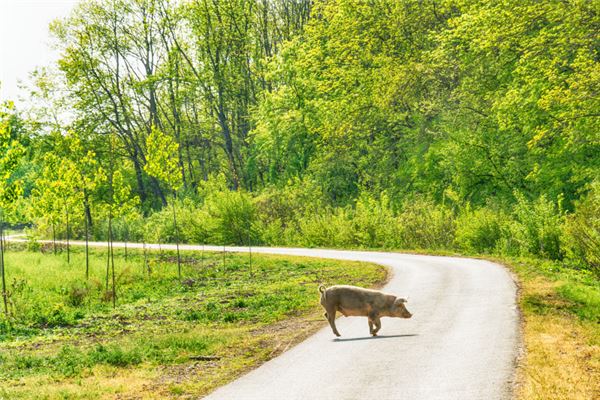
(112, 261)
(87, 254)
(2, 269)
(139, 177)
(146, 265)
(229, 146)
(88, 211)
(54, 238)
(176, 238)
(157, 191)
(250, 247)
(108, 241)
(68, 247)
(126, 239)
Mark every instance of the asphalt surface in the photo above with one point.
(461, 342)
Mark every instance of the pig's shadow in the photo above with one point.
(373, 337)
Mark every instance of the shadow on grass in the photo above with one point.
(373, 337)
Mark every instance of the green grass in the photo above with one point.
(561, 311)
(575, 292)
(64, 339)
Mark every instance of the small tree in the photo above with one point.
(57, 193)
(85, 176)
(162, 163)
(118, 202)
(11, 152)
(45, 206)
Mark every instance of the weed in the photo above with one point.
(115, 356)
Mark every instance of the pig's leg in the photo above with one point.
(331, 318)
(377, 322)
(374, 320)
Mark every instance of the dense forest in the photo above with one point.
(465, 125)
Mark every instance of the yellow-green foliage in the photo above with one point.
(295, 216)
(480, 230)
(581, 236)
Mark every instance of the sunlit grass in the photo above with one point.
(65, 340)
(561, 334)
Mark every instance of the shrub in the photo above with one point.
(275, 232)
(280, 209)
(535, 228)
(232, 217)
(159, 227)
(373, 222)
(480, 230)
(581, 231)
(128, 228)
(330, 228)
(58, 315)
(77, 294)
(291, 202)
(32, 242)
(425, 225)
(27, 361)
(193, 222)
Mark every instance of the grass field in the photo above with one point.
(166, 336)
(561, 331)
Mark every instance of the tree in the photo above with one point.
(352, 98)
(163, 164)
(82, 174)
(118, 201)
(11, 151)
(520, 111)
(58, 192)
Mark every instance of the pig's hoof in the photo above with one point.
(374, 334)
(338, 335)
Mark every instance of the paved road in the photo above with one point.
(460, 344)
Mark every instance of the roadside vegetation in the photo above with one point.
(166, 337)
(561, 313)
(463, 126)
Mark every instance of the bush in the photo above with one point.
(581, 231)
(373, 223)
(77, 294)
(192, 224)
(57, 316)
(280, 210)
(535, 229)
(159, 227)
(330, 228)
(480, 230)
(290, 203)
(129, 228)
(232, 217)
(425, 225)
(32, 242)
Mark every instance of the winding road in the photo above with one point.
(461, 343)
